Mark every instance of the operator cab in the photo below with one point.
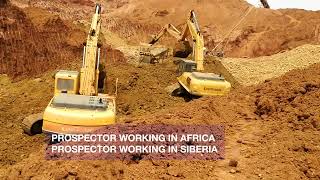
(66, 82)
(185, 65)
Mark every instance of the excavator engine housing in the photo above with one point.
(198, 83)
(74, 113)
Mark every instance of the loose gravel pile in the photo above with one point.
(257, 70)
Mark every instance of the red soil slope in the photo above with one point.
(27, 49)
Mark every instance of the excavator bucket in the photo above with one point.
(173, 89)
(182, 49)
(265, 4)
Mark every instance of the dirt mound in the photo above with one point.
(279, 30)
(28, 50)
(3, 3)
(141, 90)
(290, 107)
(264, 31)
(130, 29)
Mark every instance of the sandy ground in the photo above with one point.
(272, 131)
(272, 128)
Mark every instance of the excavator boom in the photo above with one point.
(90, 67)
(193, 28)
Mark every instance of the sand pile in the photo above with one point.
(254, 71)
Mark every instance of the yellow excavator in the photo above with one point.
(191, 78)
(77, 105)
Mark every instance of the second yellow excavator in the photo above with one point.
(192, 80)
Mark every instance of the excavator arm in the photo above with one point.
(91, 56)
(192, 28)
(169, 28)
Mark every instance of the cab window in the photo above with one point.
(65, 84)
